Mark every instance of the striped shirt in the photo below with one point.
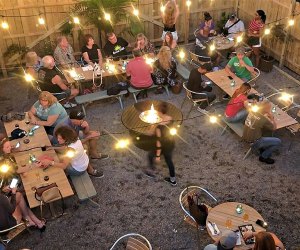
(255, 26)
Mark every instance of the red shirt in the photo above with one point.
(255, 26)
(235, 105)
(140, 73)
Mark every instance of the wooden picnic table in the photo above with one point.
(227, 211)
(220, 78)
(34, 176)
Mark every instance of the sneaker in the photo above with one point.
(149, 174)
(96, 174)
(173, 183)
(226, 97)
(267, 160)
(101, 157)
(69, 105)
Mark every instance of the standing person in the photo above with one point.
(164, 145)
(64, 53)
(164, 69)
(206, 29)
(236, 109)
(195, 84)
(169, 18)
(139, 71)
(90, 51)
(76, 165)
(142, 43)
(234, 25)
(255, 29)
(169, 41)
(115, 46)
(258, 130)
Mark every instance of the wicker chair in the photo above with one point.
(133, 243)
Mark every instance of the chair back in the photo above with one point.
(134, 242)
(183, 198)
(189, 94)
(8, 234)
(198, 60)
(252, 82)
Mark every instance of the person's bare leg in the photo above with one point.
(257, 56)
(22, 209)
(90, 169)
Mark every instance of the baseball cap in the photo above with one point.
(227, 241)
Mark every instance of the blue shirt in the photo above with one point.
(54, 109)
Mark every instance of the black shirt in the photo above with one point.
(116, 50)
(7, 207)
(92, 53)
(45, 77)
(195, 82)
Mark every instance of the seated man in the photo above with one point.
(234, 26)
(139, 71)
(115, 46)
(53, 81)
(227, 241)
(63, 53)
(240, 65)
(195, 83)
(258, 129)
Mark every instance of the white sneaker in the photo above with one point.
(69, 105)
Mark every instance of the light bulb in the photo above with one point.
(181, 54)
(254, 108)
(70, 153)
(291, 22)
(122, 143)
(173, 131)
(188, 3)
(212, 47)
(41, 21)
(28, 78)
(213, 119)
(135, 12)
(267, 31)
(107, 16)
(76, 20)
(239, 39)
(162, 8)
(4, 168)
(4, 25)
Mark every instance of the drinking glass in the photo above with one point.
(27, 120)
(246, 217)
(228, 223)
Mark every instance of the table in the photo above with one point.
(34, 177)
(223, 43)
(220, 213)
(220, 78)
(141, 131)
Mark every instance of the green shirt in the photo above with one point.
(240, 72)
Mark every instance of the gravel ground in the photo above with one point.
(130, 202)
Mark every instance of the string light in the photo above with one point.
(73, 73)
(173, 131)
(70, 153)
(4, 168)
(239, 39)
(188, 3)
(111, 68)
(28, 77)
(291, 22)
(254, 108)
(4, 25)
(41, 21)
(213, 119)
(162, 8)
(76, 20)
(285, 97)
(135, 12)
(267, 31)
(212, 47)
(107, 16)
(123, 143)
(181, 54)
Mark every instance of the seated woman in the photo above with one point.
(236, 108)
(169, 41)
(265, 241)
(90, 51)
(206, 28)
(144, 45)
(164, 69)
(79, 163)
(33, 64)
(48, 112)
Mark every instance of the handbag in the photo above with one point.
(225, 30)
(47, 194)
(198, 211)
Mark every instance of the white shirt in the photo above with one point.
(80, 161)
(238, 27)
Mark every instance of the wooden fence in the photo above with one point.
(25, 31)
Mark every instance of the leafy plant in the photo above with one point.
(221, 23)
(67, 28)
(45, 47)
(93, 12)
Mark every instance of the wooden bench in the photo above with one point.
(101, 95)
(83, 186)
(135, 92)
(238, 128)
(183, 71)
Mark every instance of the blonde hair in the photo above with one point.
(45, 95)
(164, 56)
(141, 35)
(31, 58)
(170, 12)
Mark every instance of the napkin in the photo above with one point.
(212, 229)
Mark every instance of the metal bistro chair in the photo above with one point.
(133, 243)
(252, 82)
(183, 200)
(61, 96)
(8, 234)
(195, 102)
(198, 60)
